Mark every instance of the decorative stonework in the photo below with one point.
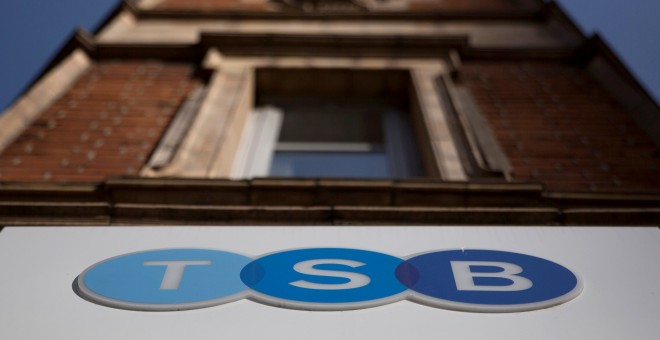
(340, 5)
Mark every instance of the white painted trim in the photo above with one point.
(241, 159)
(255, 152)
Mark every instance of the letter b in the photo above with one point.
(464, 276)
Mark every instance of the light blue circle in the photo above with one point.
(274, 276)
(137, 281)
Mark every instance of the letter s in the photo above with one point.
(355, 280)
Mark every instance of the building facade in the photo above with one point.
(355, 169)
(463, 112)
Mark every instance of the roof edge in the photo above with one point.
(525, 15)
(595, 46)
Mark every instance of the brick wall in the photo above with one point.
(105, 125)
(559, 127)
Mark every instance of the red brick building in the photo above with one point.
(409, 112)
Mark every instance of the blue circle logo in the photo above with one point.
(487, 281)
(324, 278)
(172, 279)
(329, 279)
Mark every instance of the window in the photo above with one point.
(317, 133)
(336, 123)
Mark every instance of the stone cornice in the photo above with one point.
(305, 202)
(517, 15)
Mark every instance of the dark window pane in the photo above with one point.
(330, 164)
(331, 124)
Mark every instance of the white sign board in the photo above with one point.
(613, 293)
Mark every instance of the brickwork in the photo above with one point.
(105, 125)
(557, 126)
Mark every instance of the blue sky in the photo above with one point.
(32, 31)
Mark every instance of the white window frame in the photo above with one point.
(255, 151)
(260, 142)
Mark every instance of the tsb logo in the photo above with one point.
(328, 279)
